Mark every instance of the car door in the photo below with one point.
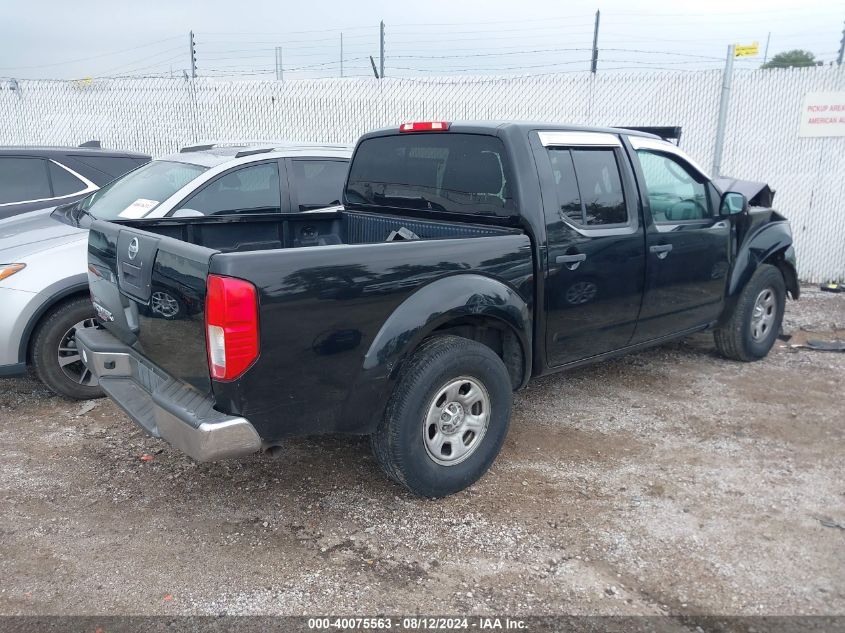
(687, 243)
(594, 244)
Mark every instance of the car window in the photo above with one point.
(589, 186)
(253, 189)
(137, 193)
(673, 192)
(317, 183)
(456, 173)
(23, 179)
(568, 196)
(113, 166)
(64, 182)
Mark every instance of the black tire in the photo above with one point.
(735, 338)
(45, 350)
(399, 444)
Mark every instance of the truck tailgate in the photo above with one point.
(149, 292)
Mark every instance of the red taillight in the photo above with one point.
(231, 326)
(425, 126)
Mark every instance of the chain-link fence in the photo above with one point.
(158, 116)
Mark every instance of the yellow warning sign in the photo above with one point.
(741, 50)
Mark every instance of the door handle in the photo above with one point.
(661, 250)
(571, 261)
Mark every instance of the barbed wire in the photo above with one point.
(455, 47)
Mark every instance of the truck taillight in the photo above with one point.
(425, 126)
(231, 326)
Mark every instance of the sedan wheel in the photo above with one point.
(55, 355)
(69, 359)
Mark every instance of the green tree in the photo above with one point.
(794, 58)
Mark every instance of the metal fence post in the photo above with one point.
(723, 112)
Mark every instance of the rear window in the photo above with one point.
(113, 166)
(64, 182)
(23, 179)
(455, 173)
(317, 183)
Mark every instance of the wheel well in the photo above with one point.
(50, 305)
(494, 334)
(790, 277)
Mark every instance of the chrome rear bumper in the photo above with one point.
(163, 406)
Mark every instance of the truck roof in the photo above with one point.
(487, 127)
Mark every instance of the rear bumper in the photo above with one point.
(163, 406)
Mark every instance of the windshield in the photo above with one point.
(139, 192)
(456, 173)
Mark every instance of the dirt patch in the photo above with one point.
(671, 481)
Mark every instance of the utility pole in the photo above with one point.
(193, 52)
(381, 50)
(841, 47)
(341, 54)
(727, 76)
(766, 51)
(595, 60)
(280, 73)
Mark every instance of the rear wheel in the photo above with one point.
(447, 418)
(57, 360)
(751, 331)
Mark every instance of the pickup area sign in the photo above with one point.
(823, 114)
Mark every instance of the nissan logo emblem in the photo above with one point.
(133, 248)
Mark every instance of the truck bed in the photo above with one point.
(324, 228)
(328, 284)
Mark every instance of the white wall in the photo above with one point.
(160, 115)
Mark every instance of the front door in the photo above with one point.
(595, 245)
(687, 247)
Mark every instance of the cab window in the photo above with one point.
(445, 172)
(589, 187)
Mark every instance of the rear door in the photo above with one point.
(687, 243)
(149, 291)
(595, 244)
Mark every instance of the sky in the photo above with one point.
(56, 39)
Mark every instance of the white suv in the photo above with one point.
(43, 254)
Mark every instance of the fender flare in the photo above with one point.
(427, 309)
(55, 296)
(759, 247)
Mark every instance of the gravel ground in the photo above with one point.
(670, 481)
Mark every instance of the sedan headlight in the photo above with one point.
(7, 270)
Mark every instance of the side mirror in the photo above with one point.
(733, 203)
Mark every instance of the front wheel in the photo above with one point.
(447, 418)
(751, 331)
(55, 356)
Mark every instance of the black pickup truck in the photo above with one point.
(467, 258)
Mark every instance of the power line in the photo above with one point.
(83, 59)
(142, 60)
